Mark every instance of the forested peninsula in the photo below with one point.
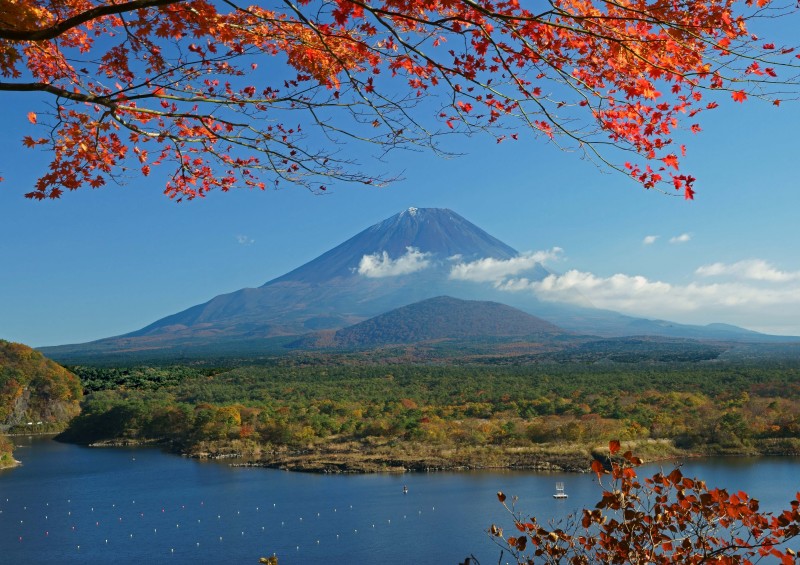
(385, 413)
(336, 414)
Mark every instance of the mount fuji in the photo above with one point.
(407, 258)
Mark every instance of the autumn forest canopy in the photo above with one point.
(223, 95)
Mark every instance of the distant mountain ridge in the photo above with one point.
(439, 318)
(402, 260)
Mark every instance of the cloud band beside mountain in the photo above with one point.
(748, 291)
(380, 265)
(495, 270)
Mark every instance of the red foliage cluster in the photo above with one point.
(667, 518)
(141, 83)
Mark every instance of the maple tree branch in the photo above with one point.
(55, 30)
(60, 92)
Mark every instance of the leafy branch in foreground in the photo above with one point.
(666, 518)
(227, 95)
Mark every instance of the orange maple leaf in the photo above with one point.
(671, 160)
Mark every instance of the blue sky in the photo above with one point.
(105, 262)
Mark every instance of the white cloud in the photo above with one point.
(244, 240)
(379, 265)
(649, 239)
(750, 269)
(495, 270)
(754, 294)
(683, 238)
(768, 307)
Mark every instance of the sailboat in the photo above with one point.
(560, 491)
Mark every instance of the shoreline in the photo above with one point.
(366, 458)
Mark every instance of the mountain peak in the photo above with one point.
(438, 232)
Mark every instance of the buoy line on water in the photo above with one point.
(131, 525)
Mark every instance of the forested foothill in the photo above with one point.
(37, 395)
(359, 412)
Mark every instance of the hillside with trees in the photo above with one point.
(440, 318)
(36, 394)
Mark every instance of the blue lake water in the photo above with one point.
(71, 504)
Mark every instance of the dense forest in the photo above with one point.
(307, 403)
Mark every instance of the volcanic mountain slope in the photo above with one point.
(439, 318)
(402, 260)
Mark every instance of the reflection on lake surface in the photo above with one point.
(70, 504)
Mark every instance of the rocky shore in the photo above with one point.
(357, 457)
(344, 457)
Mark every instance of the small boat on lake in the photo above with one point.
(560, 491)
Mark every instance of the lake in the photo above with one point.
(72, 504)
